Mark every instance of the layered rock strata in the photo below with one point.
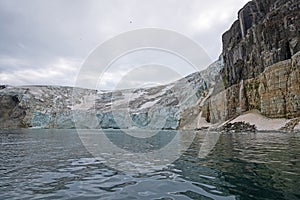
(261, 63)
(265, 33)
(275, 93)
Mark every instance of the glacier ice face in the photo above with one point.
(66, 107)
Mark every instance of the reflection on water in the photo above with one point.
(52, 164)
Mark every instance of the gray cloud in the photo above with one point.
(45, 42)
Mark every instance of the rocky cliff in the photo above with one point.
(275, 93)
(261, 63)
(266, 32)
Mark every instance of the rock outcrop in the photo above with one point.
(261, 63)
(266, 32)
(238, 127)
(275, 93)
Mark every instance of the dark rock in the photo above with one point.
(238, 127)
(265, 33)
(289, 127)
(11, 113)
(261, 55)
(202, 128)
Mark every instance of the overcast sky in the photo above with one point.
(47, 41)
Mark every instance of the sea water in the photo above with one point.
(58, 164)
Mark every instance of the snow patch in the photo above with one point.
(36, 92)
(297, 127)
(149, 104)
(261, 122)
(87, 102)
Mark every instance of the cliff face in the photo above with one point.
(261, 63)
(275, 93)
(65, 107)
(266, 32)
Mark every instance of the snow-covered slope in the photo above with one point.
(66, 107)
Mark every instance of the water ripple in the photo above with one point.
(54, 165)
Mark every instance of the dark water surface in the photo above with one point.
(53, 164)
